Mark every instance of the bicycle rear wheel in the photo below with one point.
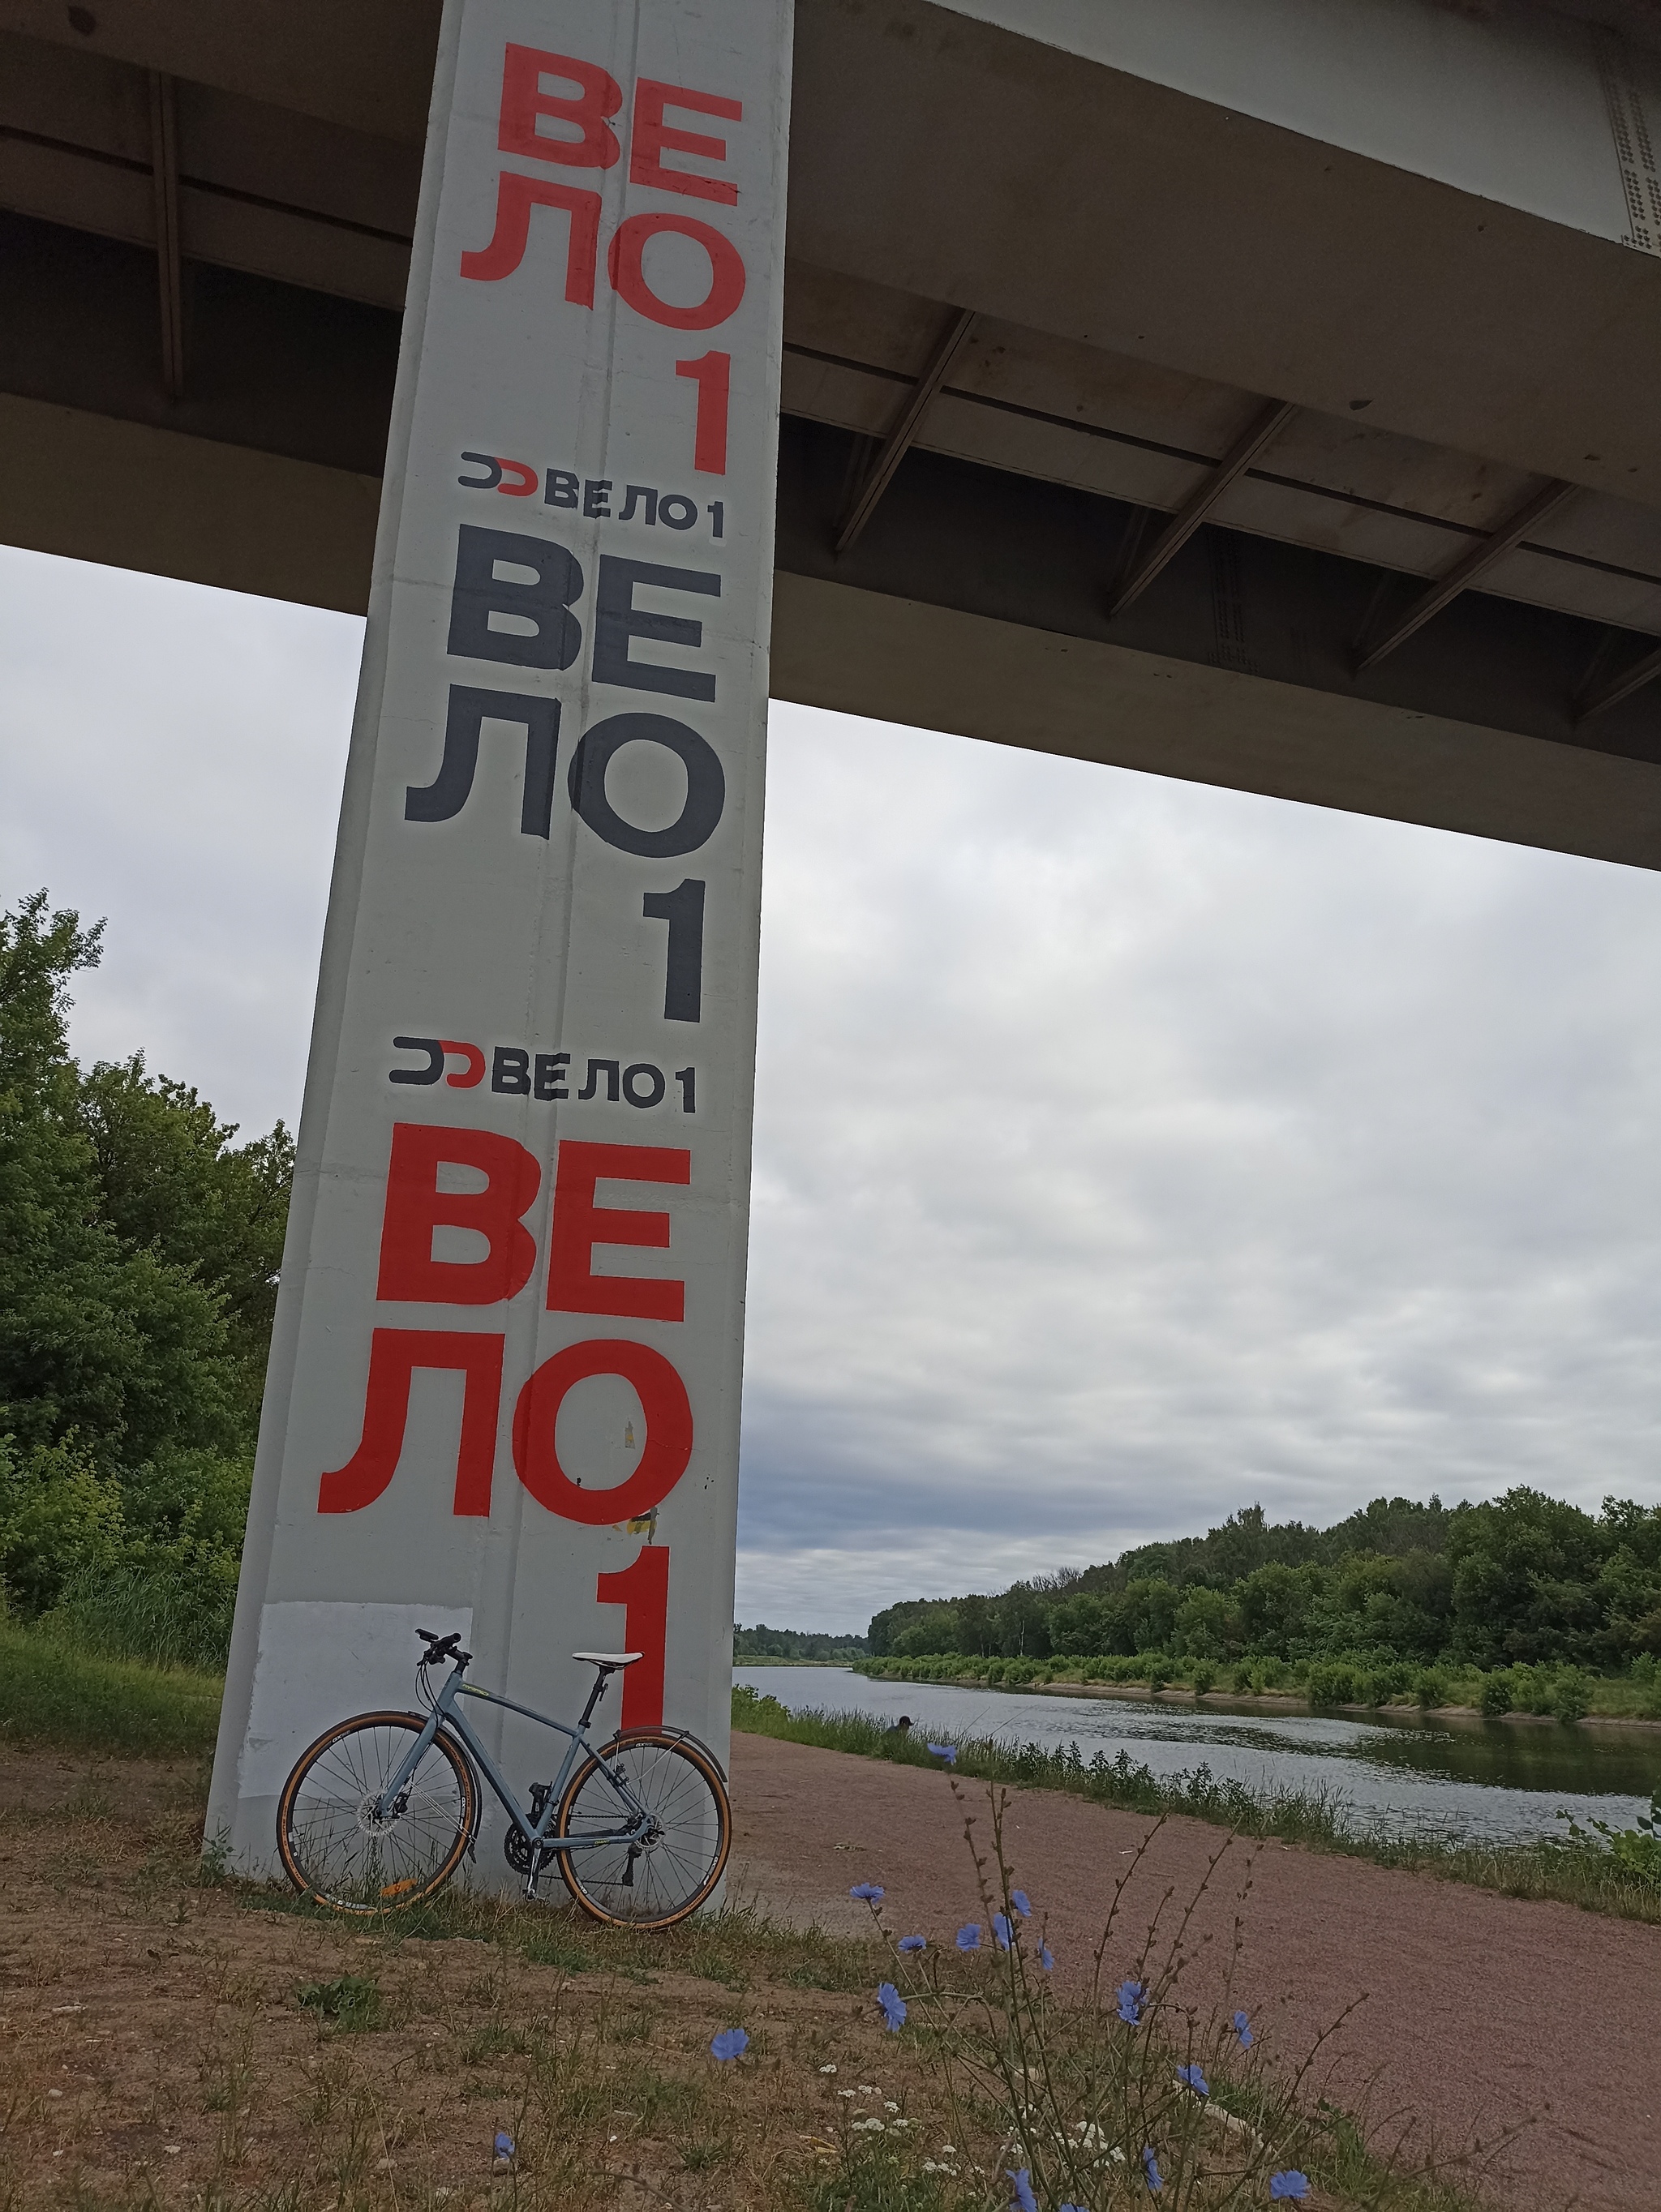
(335, 1848)
(675, 1865)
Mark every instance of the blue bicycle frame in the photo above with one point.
(534, 1835)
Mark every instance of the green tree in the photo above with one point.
(173, 1183)
(1147, 1614)
(1402, 1603)
(1024, 1623)
(1084, 1626)
(137, 1265)
(1207, 1625)
(1276, 1603)
(934, 1630)
(1524, 1567)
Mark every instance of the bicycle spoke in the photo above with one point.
(673, 1866)
(347, 1845)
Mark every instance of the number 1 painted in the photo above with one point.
(712, 372)
(642, 1591)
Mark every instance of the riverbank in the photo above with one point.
(1563, 1695)
(1480, 2014)
(1560, 1870)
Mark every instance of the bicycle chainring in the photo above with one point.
(516, 1851)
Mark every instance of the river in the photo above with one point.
(1488, 1781)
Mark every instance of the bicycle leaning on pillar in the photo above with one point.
(380, 1811)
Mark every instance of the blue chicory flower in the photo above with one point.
(1020, 2181)
(1151, 2168)
(1000, 1929)
(969, 1938)
(1022, 1903)
(1133, 1999)
(1291, 2183)
(868, 1892)
(504, 2143)
(1046, 1958)
(731, 2043)
(1243, 2029)
(911, 1943)
(893, 2006)
(1192, 2078)
(948, 1751)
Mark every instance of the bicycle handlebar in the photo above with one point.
(441, 1648)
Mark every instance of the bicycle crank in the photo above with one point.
(517, 1851)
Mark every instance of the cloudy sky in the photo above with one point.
(1126, 1150)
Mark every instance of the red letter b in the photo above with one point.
(415, 1206)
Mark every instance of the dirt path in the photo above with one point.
(1482, 2013)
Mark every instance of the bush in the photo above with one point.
(1332, 1682)
(1380, 1686)
(1431, 1687)
(1573, 1698)
(1202, 1676)
(60, 1516)
(1495, 1695)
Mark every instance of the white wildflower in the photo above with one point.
(827, 2070)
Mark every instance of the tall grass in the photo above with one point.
(1575, 1871)
(171, 1610)
(54, 1693)
(1123, 2086)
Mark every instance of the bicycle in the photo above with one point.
(379, 1812)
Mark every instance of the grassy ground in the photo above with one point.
(52, 1692)
(182, 2046)
(1582, 1875)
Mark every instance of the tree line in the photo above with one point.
(1522, 1580)
(760, 1643)
(139, 1249)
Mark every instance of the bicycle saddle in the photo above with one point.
(607, 1659)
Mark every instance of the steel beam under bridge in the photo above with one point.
(1260, 392)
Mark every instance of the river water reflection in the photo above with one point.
(1494, 1781)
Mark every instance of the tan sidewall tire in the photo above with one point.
(706, 1766)
(460, 1763)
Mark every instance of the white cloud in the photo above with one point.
(173, 760)
(1125, 1150)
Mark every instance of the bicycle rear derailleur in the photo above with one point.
(514, 1848)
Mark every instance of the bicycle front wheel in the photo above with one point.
(674, 1865)
(337, 1847)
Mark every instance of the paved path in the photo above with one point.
(1482, 2013)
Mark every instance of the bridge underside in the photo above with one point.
(1120, 420)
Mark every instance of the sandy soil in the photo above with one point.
(1482, 2014)
(156, 2055)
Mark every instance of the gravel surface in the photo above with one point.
(1482, 2013)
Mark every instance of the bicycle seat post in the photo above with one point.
(594, 1695)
